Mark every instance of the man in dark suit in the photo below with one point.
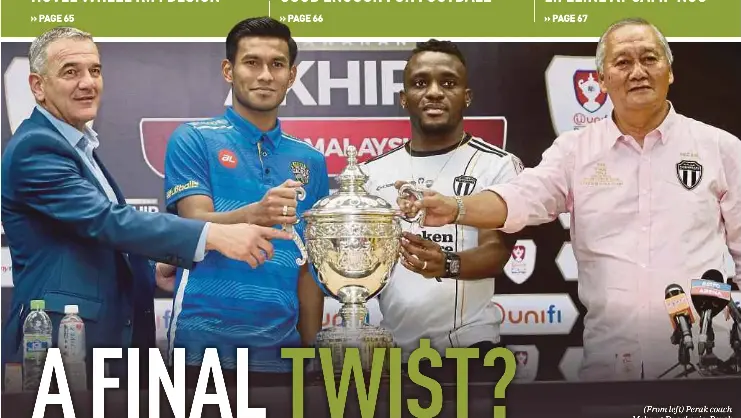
(72, 238)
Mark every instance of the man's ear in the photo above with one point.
(403, 99)
(469, 97)
(36, 82)
(601, 81)
(226, 70)
(292, 76)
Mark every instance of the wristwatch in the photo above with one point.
(452, 265)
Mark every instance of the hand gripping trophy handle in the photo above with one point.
(409, 189)
(300, 195)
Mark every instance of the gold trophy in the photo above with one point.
(352, 241)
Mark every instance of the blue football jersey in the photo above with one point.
(221, 302)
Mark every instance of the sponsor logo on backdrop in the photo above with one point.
(571, 363)
(574, 95)
(521, 262)
(145, 205)
(566, 262)
(536, 314)
(371, 136)
(7, 268)
(527, 358)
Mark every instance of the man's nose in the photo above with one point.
(265, 74)
(87, 81)
(434, 90)
(638, 71)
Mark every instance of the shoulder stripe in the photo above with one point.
(379, 156)
(294, 139)
(486, 147)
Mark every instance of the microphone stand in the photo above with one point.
(683, 355)
(709, 362)
(734, 362)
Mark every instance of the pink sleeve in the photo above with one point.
(730, 201)
(538, 195)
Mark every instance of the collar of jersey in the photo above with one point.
(251, 132)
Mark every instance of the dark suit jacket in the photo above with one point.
(71, 245)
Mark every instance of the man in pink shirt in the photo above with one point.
(654, 198)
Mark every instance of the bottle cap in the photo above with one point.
(71, 309)
(38, 304)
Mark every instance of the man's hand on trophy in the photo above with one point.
(422, 256)
(277, 207)
(440, 210)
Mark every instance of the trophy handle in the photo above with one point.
(300, 195)
(411, 190)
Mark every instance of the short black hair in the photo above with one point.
(434, 45)
(259, 26)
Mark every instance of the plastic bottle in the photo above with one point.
(72, 348)
(36, 342)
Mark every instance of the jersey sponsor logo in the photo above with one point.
(371, 136)
(180, 188)
(574, 96)
(227, 158)
(464, 185)
(440, 239)
(300, 172)
(689, 173)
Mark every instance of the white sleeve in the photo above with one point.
(370, 184)
(504, 170)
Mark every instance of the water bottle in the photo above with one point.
(72, 348)
(36, 341)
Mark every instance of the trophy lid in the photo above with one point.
(351, 198)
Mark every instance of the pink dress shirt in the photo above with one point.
(640, 220)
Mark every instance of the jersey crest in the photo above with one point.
(300, 171)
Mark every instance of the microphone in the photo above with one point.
(710, 295)
(734, 311)
(680, 315)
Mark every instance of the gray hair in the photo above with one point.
(37, 52)
(627, 22)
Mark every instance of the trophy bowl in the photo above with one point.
(352, 240)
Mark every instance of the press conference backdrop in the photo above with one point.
(524, 94)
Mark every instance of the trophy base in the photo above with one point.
(366, 338)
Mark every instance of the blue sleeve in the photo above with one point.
(47, 178)
(322, 187)
(186, 166)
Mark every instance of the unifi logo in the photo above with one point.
(362, 81)
(530, 314)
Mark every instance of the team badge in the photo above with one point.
(519, 166)
(587, 90)
(689, 173)
(464, 185)
(300, 171)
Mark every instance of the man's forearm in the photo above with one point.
(484, 261)
(484, 210)
(311, 308)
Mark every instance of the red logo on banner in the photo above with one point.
(588, 92)
(331, 136)
(227, 158)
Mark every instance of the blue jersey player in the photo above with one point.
(241, 167)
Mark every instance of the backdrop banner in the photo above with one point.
(524, 95)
